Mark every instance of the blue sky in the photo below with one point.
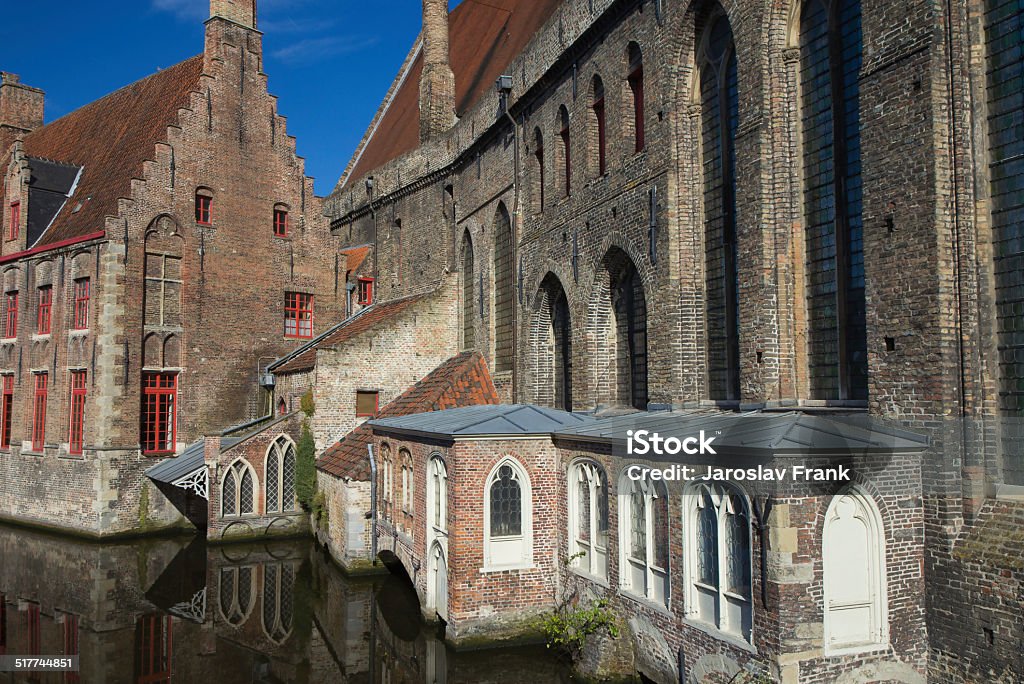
(330, 62)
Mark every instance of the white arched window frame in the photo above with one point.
(237, 594)
(508, 517)
(856, 602)
(405, 464)
(238, 490)
(718, 558)
(437, 495)
(588, 518)
(644, 540)
(387, 482)
(279, 476)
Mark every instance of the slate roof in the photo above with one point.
(484, 37)
(511, 420)
(304, 358)
(463, 380)
(759, 433)
(110, 138)
(50, 183)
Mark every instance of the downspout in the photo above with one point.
(515, 242)
(376, 247)
(373, 504)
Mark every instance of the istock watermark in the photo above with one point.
(645, 442)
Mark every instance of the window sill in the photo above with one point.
(41, 337)
(645, 602)
(489, 569)
(1007, 492)
(718, 634)
(9, 340)
(78, 332)
(859, 649)
(601, 581)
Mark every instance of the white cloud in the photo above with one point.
(184, 9)
(311, 50)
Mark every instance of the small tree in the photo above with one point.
(305, 457)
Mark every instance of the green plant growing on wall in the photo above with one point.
(572, 622)
(305, 457)
(320, 514)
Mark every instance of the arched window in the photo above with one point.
(204, 206)
(508, 537)
(621, 348)
(280, 476)
(719, 119)
(718, 536)
(278, 600)
(856, 602)
(830, 59)
(564, 150)
(643, 539)
(387, 482)
(588, 518)
(598, 129)
(238, 490)
(552, 337)
(1004, 19)
(437, 499)
(237, 594)
(538, 169)
(282, 407)
(468, 294)
(504, 299)
(635, 96)
(405, 461)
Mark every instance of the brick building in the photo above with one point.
(729, 206)
(127, 331)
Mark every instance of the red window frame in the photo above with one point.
(280, 223)
(204, 209)
(298, 315)
(364, 289)
(636, 84)
(39, 399)
(14, 230)
(159, 412)
(11, 315)
(78, 394)
(81, 312)
(154, 641)
(44, 310)
(6, 408)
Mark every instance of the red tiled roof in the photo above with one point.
(462, 380)
(484, 37)
(305, 357)
(356, 257)
(111, 138)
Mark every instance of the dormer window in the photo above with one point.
(204, 207)
(280, 221)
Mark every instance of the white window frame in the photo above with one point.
(720, 494)
(238, 468)
(437, 495)
(280, 445)
(866, 510)
(509, 553)
(594, 476)
(657, 586)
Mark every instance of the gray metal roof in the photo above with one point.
(513, 420)
(172, 469)
(779, 434)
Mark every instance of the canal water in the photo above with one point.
(177, 610)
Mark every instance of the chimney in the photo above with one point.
(21, 109)
(241, 12)
(437, 85)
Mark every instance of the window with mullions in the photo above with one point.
(719, 120)
(365, 291)
(280, 476)
(628, 330)
(507, 510)
(236, 594)
(238, 491)
(830, 59)
(39, 399)
(159, 412)
(1004, 24)
(79, 390)
(153, 649)
(643, 542)
(280, 221)
(588, 518)
(298, 315)
(204, 207)
(44, 309)
(437, 501)
(11, 315)
(278, 600)
(6, 410)
(80, 313)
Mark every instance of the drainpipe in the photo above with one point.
(373, 504)
(504, 86)
(376, 247)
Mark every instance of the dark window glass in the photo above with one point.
(506, 504)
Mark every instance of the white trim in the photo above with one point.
(653, 575)
(596, 478)
(245, 466)
(525, 539)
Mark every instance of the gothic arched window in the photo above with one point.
(238, 490)
(237, 594)
(588, 518)
(278, 600)
(643, 539)
(468, 294)
(508, 538)
(280, 476)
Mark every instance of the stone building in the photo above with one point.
(810, 206)
(127, 331)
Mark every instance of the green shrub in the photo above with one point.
(305, 468)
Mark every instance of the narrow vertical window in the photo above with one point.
(635, 84)
(563, 135)
(508, 515)
(33, 630)
(643, 542)
(39, 411)
(159, 412)
(365, 287)
(78, 394)
(588, 518)
(11, 315)
(538, 155)
(504, 291)
(298, 315)
(280, 222)
(153, 649)
(81, 311)
(44, 312)
(719, 122)
(468, 294)
(14, 229)
(597, 110)
(204, 207)
(6, 407)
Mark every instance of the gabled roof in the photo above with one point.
(484, 37)
(110, 139)
(463, 380)
(304, 358)
(505, 420)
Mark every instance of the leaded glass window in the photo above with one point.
(236, 594)
(638, 525)
(588, 506)
(504, 296)
(278, 600)
(644, 540)
(272, 475)
(506, 504)
(230, 497)
(246, 494)
(238, 492)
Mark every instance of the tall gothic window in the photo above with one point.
(565, 150)
(280, 476)
(588, 518)
(719, 120)
(238, 490)
(1004, 26)
(278, 600)
(469, 294)
(237, 594)
(598, 129)
(504, 291)
(718, 534)
(628, 333)
(437, 495)
(507, 516)
(830, 58)
(552, 336)
(538, 157)
(643, 541)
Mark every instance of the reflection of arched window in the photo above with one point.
(508, 539)
(538, 170)
(643, 539)
(598, 125)
(278, 597)
(238, 491)
(588, 518)
(468, 294)
(635, 96)
(236, 594)
(437, 501)
(504, 299)
(719, 119)
(830, 59)
(718, 534)
(853, 554)
(564, 151)
(280, 476)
